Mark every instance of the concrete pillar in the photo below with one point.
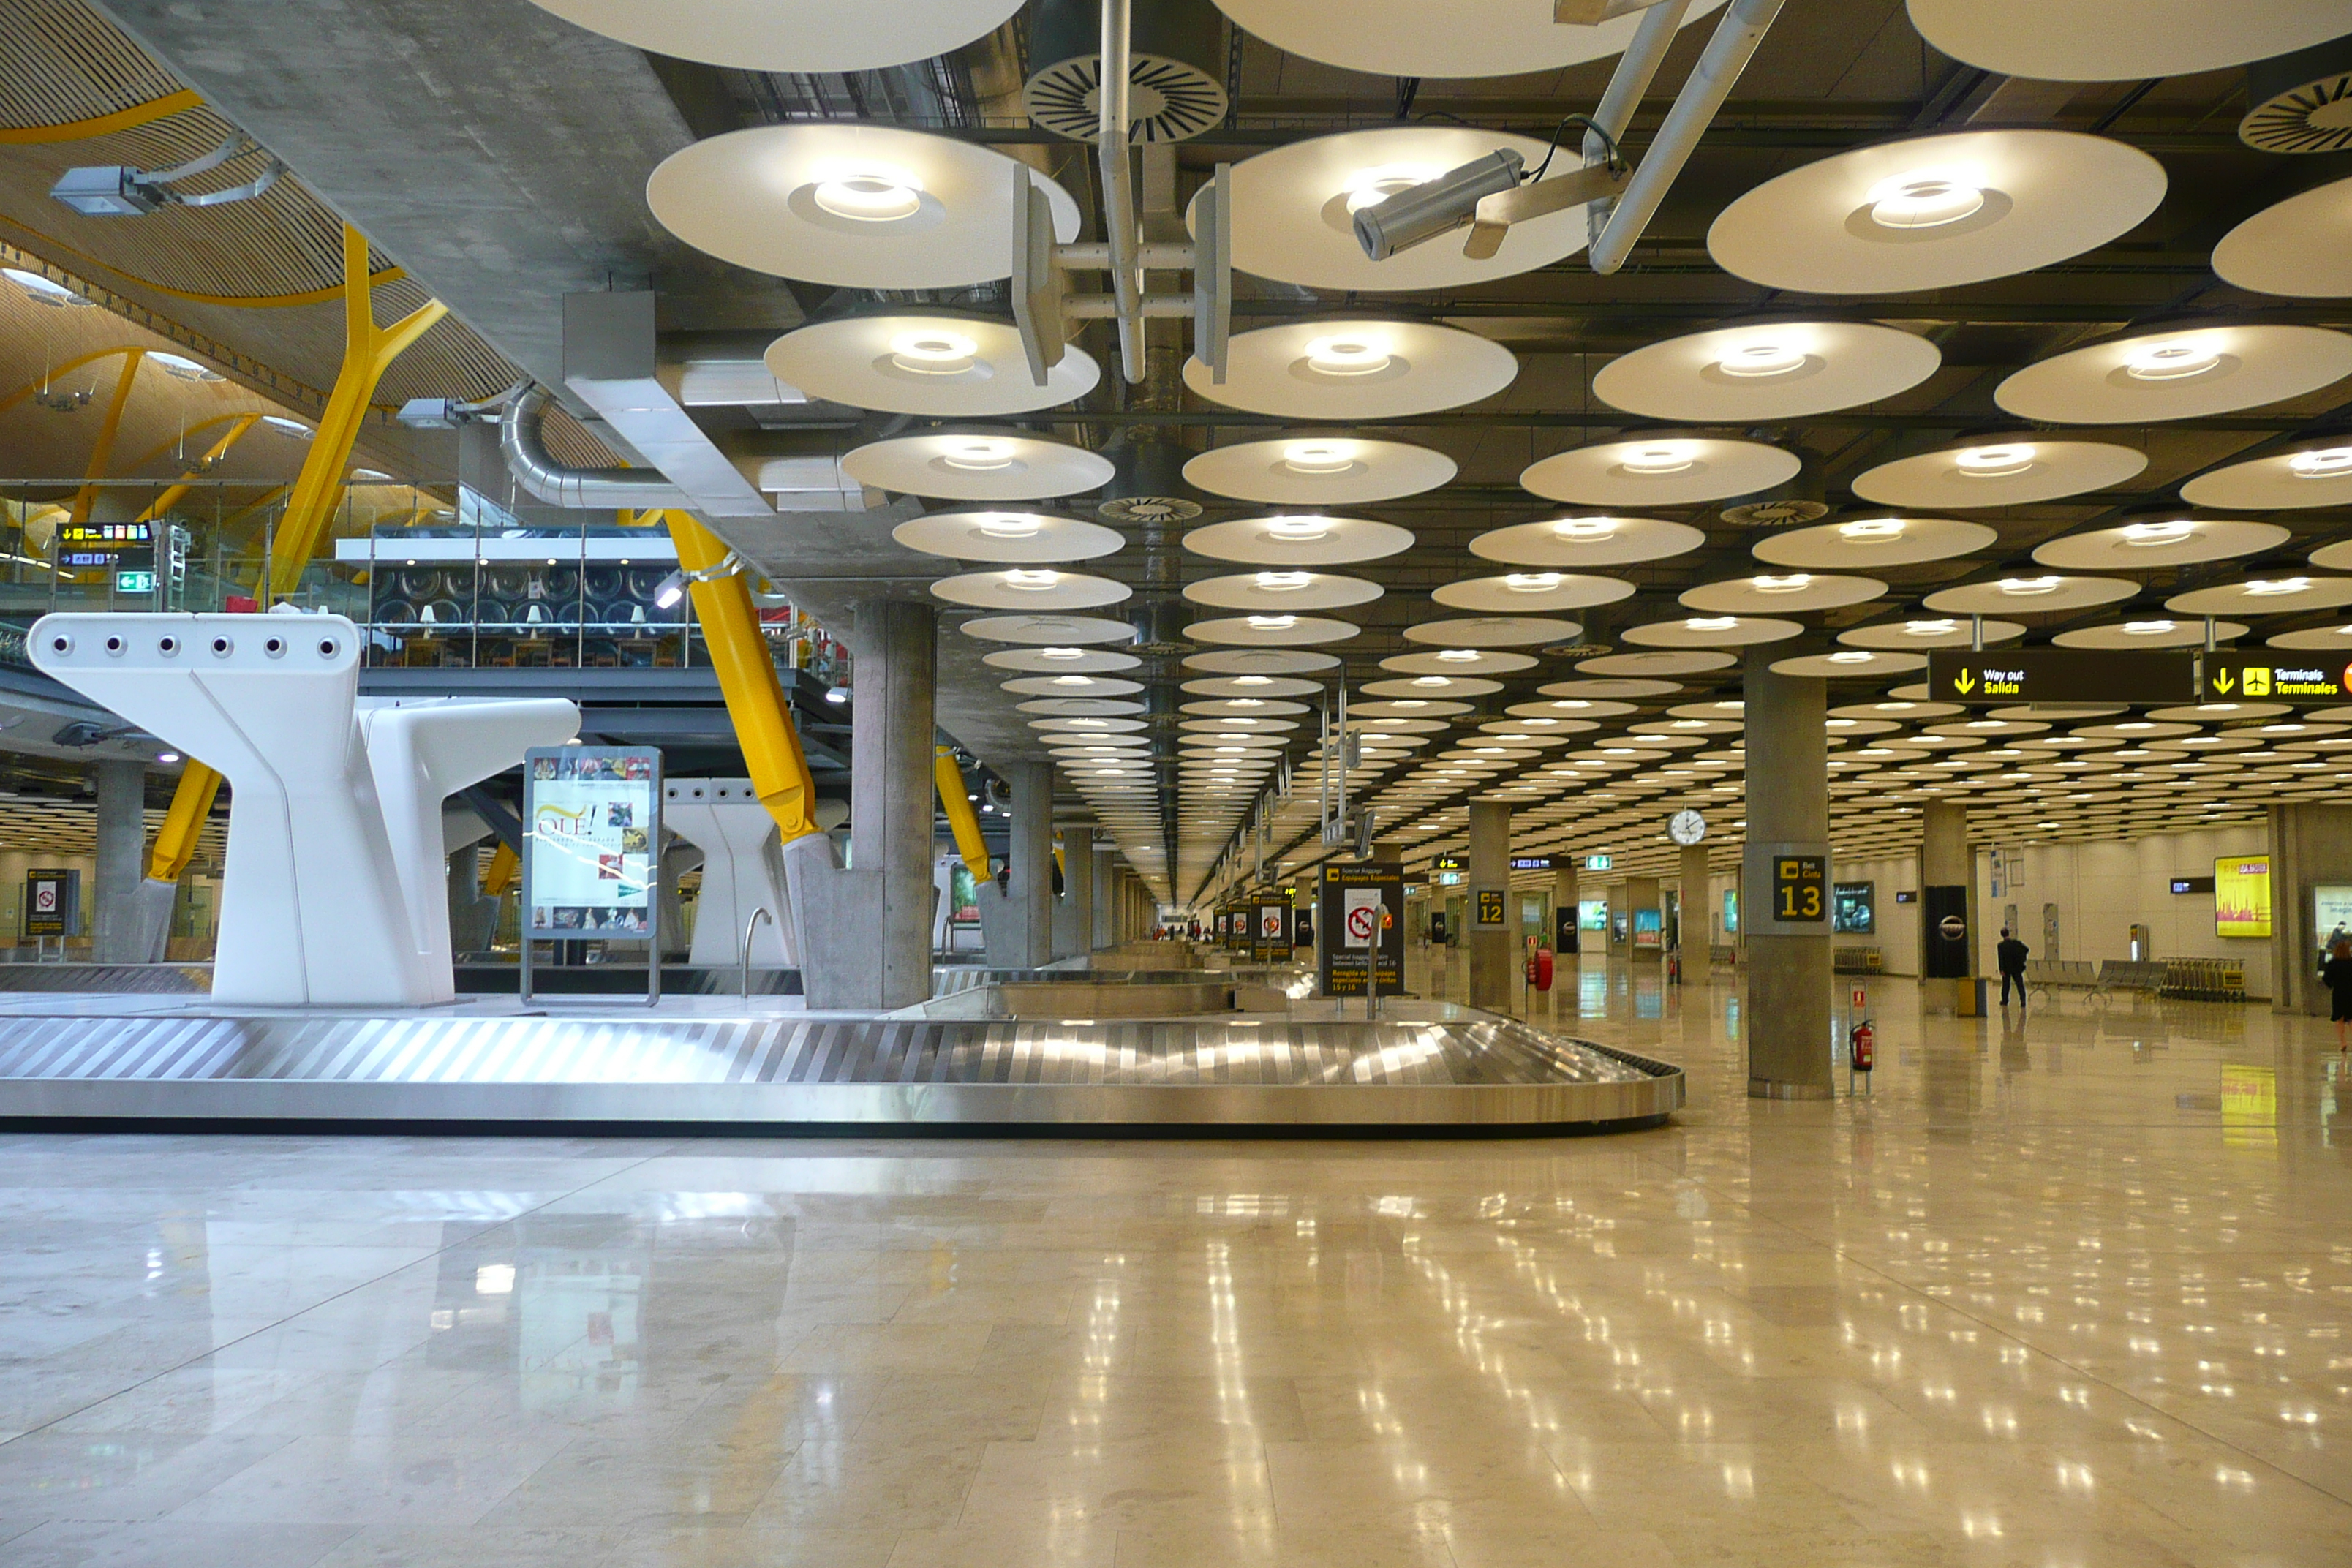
(865, 933)
(1642, 893)
(1490, 872)
(1016, 914)
(1569, 940)
(1789, 975)
(1697, 925)
(1947, 859)
(118, 934)
(2311, 844)
(1074, 914)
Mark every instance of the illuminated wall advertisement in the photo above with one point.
(1592, 914)
(1853, 909)
(594, 815)
(2331, 914)
(2241, 896)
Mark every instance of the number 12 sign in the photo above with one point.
(1800, 888)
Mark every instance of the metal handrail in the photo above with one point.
(750, 926)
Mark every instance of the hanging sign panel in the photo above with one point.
(2231, 678)
(1363, 922)
(2035, 675)
(592, 818)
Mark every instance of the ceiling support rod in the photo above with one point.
(1711, 81)
(1637, 68)
(1121, 225)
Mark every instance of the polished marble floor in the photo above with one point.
(2072, 1294)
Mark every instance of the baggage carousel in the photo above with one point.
(760, 1065)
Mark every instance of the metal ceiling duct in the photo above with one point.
(1176, 79)
(1801, 500)
(2301, 102)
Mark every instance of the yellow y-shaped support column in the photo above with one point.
(368, 353)
(87, 496)
(747, 678)
(239, 424)
(961, 820)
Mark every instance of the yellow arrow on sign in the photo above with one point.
(1965, 682)
(2223, 683)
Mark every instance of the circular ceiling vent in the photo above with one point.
(1175, 73)
(1785, 513)
(1149, 509)
(2302, 102)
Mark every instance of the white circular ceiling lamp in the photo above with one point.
(1436, 37)
(1861, 543)
(1281, 593)
(2316, 474)
(1767, 370)
(1295, 209)
(1061, 659)
(1708, 631)
(940, 363)
(1781, 592)
(1007, 536)
(1928, 631)
(2301, 247)
(2314, 639)
(789, 35)
(1353, 368)
(1080, 706)
(1583, 542)
(2148, 631)
(1069, 685)
(1432, 686)
(1935, 212)
(2286, 594)
(1493, 631)
(1298, 540)
(2000, 470)
(1667, 469)
(1454, 662)
(2030, 593)
(2182, 372)
(2337, 557)
(1851, 664)
(1531, 593)
(857, 207)
(2121, 40)
(1041, 588)
(1318, 469)
(977, 465)
(2182, 540)
(1253, 686)
(1242, 662)
(1606, 689)
(1284, 629)
(1056, 633)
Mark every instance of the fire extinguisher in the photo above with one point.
(1865, 1046)
(1531, 964)
(1542, 962)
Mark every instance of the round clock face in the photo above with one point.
(1686, 826)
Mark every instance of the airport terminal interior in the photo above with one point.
(1176, 784)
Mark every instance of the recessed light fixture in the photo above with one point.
(878, 194)
(933, 352)
(1926, 198)
(2148, 629)
(1760, 359)
(1711, 622)
(2029, 587)
(1993, 463)
(1458, 654)
(2331, 462)
(1929, 628)
(1873, 528)
(1319, 457)
(1347, 356)
(2170, 359)
(1031, 582)
(1792, 582)
(2272, 587)
(1009, 525)
(1532, 581)
(1284, 581)
(1663, 458)
(1369, 187)
(1063, 653)
(1584, 527)
(1272, 623)
(2145, 535)
(1299, 530)
(979, 454)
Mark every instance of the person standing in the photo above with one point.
(2010, 958)
(2337, 975)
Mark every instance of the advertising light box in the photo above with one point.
(2241, 896)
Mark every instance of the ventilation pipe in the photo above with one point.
(523, 441)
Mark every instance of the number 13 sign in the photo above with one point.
(1799, 888)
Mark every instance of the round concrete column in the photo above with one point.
(1788, 978)
(1697, 926)
(1074, 913)
(1564, 896)
(1032, 849)
(1947, 859)
(893, 788)
(1490, 873)
(118, 935)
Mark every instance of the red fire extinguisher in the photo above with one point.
(1543, 969)
(1865, 1046)
(1529, 967)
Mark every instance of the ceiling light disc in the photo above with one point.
(1241, 661)
(2284, 593)
(1865, 541)
(1087, 660)
(1851, 665)
(1271, 631)
(2154, 631)
(1936, 212)
(1782, 593)
(1007, 535)
(2010, 470)
(940, 365)
(1662, 470)
(1282, 593)
(1709, 632)
(2180, 542)
(1767, 370)
(2318, 475)
(2030, 593)
(1589, 541)
(2120, 40)
(1450, 39)
(1530, 593)
(857, 207)
(1051, 631)
(1917, 632)
(1299, 539)
(1017, 589)
(977, 465)
(1350, 368)
(1319, 469)
(2300, 248)
(1493, 631)
(2177, 374)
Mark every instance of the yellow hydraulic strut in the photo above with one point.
(961, 820)
(747, 677)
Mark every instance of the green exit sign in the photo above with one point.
(134, 582)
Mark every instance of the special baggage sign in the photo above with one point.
(1363, 924)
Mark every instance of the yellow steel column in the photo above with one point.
(961, 820)
(214, 454)
(747, 677)
(87, 496)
